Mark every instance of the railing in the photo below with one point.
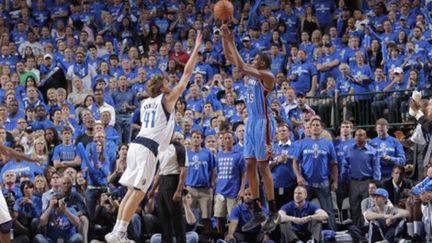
(363, 109)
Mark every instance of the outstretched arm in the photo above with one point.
(14, 154)
(175, 93)
(234, 57)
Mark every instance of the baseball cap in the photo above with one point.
(381, 192)
(239, 102)
(328, 45)
(398, 70)
(301, 94)
(246, 38)
(217, 30)
(47, 56)
(402, 18)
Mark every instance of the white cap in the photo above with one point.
(397, 70)
(416, 96)
(48, 56)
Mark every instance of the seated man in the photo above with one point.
(240, 215)
(301, 219)
(384, 218)
(398, 186)
(62, 222)
(358, 232)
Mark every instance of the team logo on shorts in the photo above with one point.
(143, 182)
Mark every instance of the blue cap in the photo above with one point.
(381, 192)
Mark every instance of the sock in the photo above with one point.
(417, 227)
(122, 227)
(257, 205)
(116, 225)
(410, 229)
(272, 206)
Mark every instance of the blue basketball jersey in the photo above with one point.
(257, 104)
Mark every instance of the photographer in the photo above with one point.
(105, 217)
(29, 207)
(76, 201)
(61, 221)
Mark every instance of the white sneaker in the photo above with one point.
(124, 239)
(113, 237)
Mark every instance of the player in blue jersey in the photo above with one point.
(258, 135)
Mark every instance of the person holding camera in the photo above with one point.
(77, 202)
(61, 221)
(28, 207)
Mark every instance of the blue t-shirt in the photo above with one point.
(65, 152)
(316, 157)
(243, 214)
(292, 210)
(389, 146)
(229, 169)
(200, 166)
(59, 225)
(21, 169)
(283, 174)
(304, 73)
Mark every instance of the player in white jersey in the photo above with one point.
(157, 127)
(5, 218)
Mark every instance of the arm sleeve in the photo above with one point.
(181, 154)
(332, 154)
(399, 159)
(376, 167)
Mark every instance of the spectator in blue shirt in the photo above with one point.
(230, 183)
(201, 177)
(240, 215)
(29, 207)
(123, 100)
(301, 220)
(390, 150)
(281, 166)
(360, 164)
(22, 168)
(303, 75)
(248, 52)
(61, 221)
(65, 154)
(315, 166)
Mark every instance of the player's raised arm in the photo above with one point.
(175, 93)
(232, 54)
(14, 154)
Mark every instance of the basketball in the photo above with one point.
(223, 10)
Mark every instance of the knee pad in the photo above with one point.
(6, 227)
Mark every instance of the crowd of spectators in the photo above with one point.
(76, 71)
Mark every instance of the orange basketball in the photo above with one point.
(223, 10)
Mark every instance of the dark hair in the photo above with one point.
(25, 183)
(56, 139)
(19, 146)
(67, 129)
(197, 132)
(266, 59)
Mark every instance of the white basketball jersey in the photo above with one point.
(157, 124)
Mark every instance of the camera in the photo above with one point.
(111, 195)
(10, 200)
(185, 192)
